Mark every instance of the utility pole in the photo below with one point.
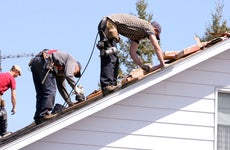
(13, 56)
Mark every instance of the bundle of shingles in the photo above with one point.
(138, 73)
(175, 55)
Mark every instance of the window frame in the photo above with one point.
(217, 91)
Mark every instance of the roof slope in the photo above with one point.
(33, 132)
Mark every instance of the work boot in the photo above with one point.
(70, 103)
(49, 116)
(45, 115)
(109, 89)
(6, 134)
(38, 120)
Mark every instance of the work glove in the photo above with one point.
(78, 89)
(80, 97)
(146, 68)
(79, 93)
(13, 111)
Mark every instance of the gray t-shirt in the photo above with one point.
(65, 63)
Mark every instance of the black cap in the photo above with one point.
(158, 27)
(79, 74)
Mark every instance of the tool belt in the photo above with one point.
(2, 103)
(110, 29)
(108, 34)
(46, 54)
(3, 113)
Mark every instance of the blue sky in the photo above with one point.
(30, 26)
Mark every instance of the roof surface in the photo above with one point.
(135, 82)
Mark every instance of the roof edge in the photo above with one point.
(113, 98)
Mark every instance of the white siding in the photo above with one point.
(176, 114)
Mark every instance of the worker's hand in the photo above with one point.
(77, 90)
(164, 65)
(13, 111)
(145, 68)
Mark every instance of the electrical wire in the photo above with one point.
(65, 103)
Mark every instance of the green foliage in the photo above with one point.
(218, 26)
(145, 49)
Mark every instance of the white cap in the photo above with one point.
(18, 68)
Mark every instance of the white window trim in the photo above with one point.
(218, 90)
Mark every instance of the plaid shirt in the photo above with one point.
(131, 26)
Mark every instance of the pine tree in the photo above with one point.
(218, 26)
(145, 49)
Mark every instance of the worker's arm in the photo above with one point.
(157, 49)
(13, 101)
(60, 80)
(133, 49)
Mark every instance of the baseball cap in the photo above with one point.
(79, 74)
(18, 68)
(158, 27)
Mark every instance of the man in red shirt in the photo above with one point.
(8, 81)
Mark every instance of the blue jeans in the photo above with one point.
(3, 121)
(45, 93)
(109, 63)
(109, 70)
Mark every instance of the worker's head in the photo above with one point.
(77, 72)
(157, 29)
(16, 70)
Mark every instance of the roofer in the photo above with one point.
(8, 81)
(133, 28)
(50, 68)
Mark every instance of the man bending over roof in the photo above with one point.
(133, 28)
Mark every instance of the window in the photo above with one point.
(223, 121)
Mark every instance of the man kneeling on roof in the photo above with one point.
(51, 67)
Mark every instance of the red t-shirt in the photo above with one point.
(6, 81)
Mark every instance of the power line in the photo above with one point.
(13, 56)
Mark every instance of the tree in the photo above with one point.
(217, 27)
(145, 49)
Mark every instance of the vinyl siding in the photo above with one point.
(177, 114)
